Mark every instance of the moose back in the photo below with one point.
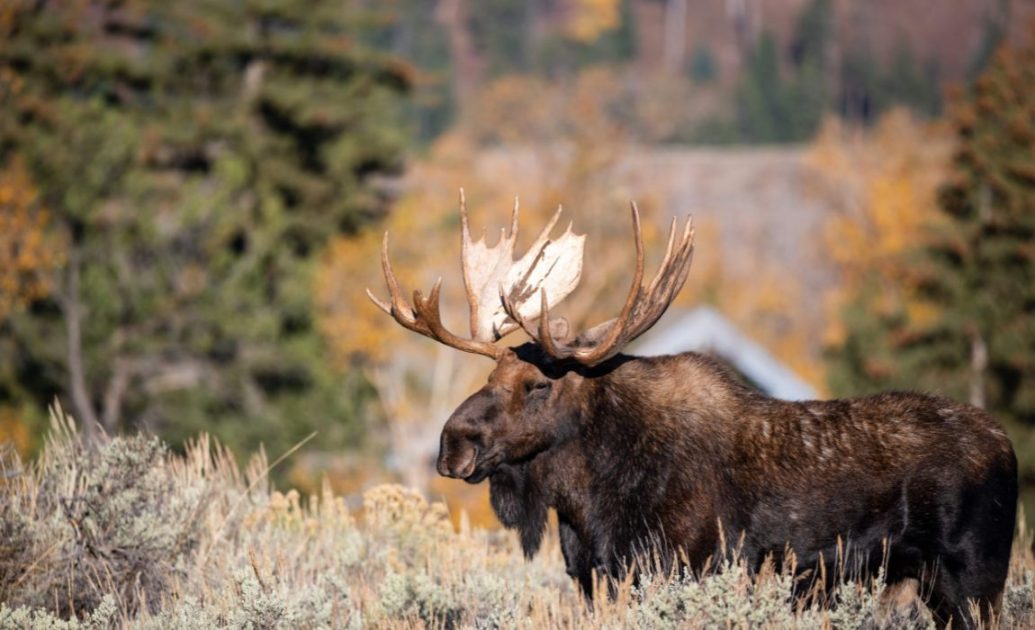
(671, 456)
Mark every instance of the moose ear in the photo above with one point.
(559, 328)
(593, 336)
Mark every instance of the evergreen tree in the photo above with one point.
(975, 271)
(906, 83)
(778, 108)
(997, 18)
(411, 30)
(500, 30)
(763, 103)
(703, 68)
(195, 157)
(858, 85)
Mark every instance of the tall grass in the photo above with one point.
(127, 534)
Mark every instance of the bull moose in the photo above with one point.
(674, 453)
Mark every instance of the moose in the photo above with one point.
(674, 456)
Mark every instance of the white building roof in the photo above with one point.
(705, 330)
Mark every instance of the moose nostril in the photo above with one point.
(457, 463)
(465, 467)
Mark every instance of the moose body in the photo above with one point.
(674, 459)
(641, 453)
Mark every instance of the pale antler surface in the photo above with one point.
(550, 266)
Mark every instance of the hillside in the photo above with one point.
(952, 33)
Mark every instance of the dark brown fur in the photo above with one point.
(642, 454)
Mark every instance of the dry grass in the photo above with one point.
(129, 535)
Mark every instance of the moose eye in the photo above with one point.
(533, 387)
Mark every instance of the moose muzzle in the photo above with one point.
(464, 436)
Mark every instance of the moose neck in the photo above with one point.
(634, 417)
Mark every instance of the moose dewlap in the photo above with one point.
(671, 456)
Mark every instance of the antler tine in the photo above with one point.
(672, 274)
(465, 230)
(615, 334)
(429, 311)
(399, 309)
(668, 254)
(425, 316)
(545, 339)
(544, 235)
(386, 269)
(514, 217)
(514, 313)
(668, 282)
(541, 333)
(465, 239)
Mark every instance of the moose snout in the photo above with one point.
(464, 438)
(457, 463)
(460, 467)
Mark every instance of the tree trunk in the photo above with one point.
(464, 60)
(675, 35)
(978, 365)
(76, 372)
(117, 387)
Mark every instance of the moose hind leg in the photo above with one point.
(975, 556)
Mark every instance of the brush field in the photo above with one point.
(129, 535)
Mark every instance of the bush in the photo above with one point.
(88, 523)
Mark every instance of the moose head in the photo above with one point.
(523, 408)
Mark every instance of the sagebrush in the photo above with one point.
(126, 534)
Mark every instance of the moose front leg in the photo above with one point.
(578, 559)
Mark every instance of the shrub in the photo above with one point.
(94, 521)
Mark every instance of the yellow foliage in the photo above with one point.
(922, 314)
(28, 252)
(14, 431)
(525, 109)
(587, 20)
(467, 499)
(514, 108)
(345, 318)
(883, 185)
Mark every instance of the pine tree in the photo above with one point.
(975, 268)
(983, 266)
(786, 104)
(763, 103)
(195, 156)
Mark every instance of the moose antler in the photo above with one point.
(643, 306)
(550, 267)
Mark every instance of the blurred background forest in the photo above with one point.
(193, 193)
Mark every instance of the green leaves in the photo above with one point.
(198, 155)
